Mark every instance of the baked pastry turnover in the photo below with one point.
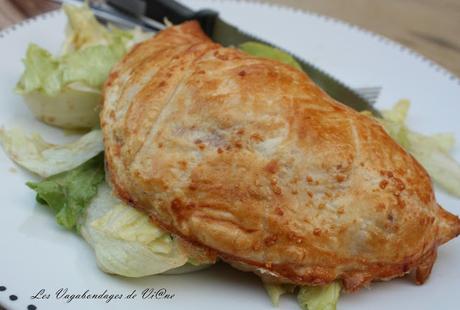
(248, 158)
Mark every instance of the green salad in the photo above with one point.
(64, 90)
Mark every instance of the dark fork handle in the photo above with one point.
(178, 13)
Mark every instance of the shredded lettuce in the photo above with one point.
(431, 151)
(89, 53)
(125, 241)
(91, 65)
(65, 90)
(83, 29)
(75, 107)
(49, 75)
(127, 223)
(69, 193)
(46, 159)
(323, 297)
(275, 291)
(41, 72)
(262, 50)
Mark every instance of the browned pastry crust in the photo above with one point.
(248, 158)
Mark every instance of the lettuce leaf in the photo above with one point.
(127, 223)
(65, 90)
(69, 193)
(41, 72)
(262, 50)
(75, 107)
(88, 55)
(83, 29)
(90, 66)
(49, 75)
(323, 297)
(125, 240)
(275, 291)
(46, 159)
(431, 151)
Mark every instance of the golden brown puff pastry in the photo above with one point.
(248, 158)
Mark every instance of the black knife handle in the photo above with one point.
(178, 13)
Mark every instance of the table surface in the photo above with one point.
(430, 27)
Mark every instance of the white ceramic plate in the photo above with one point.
(35, 253)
